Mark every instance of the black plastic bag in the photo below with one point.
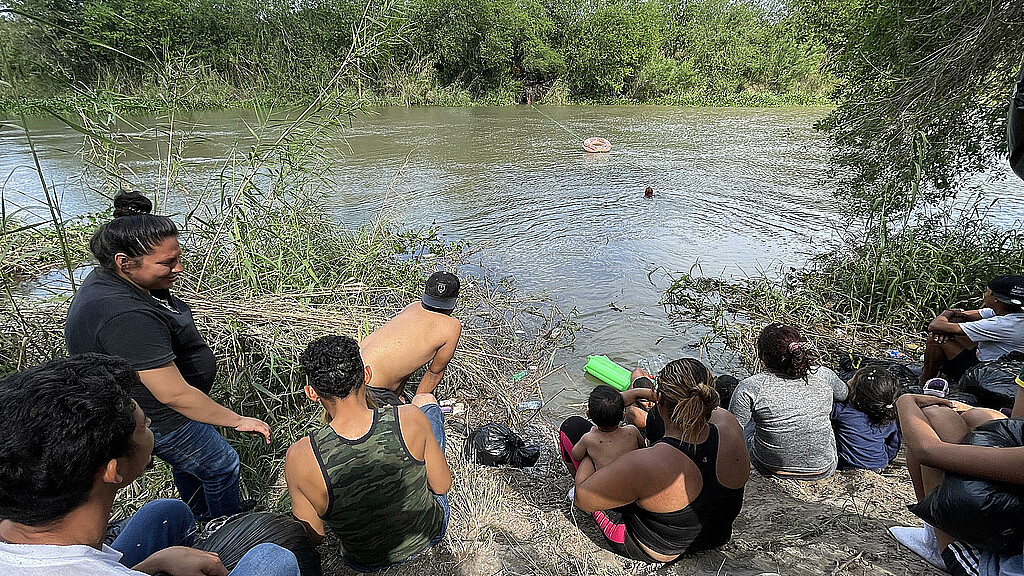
(994, 383)
(495, 444)
(988, 514)
(904, 375)
(240, 533)
(1015, 127)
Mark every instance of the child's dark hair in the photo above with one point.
(606, 406)
(873, 391)
(133, 231)
(782, 350)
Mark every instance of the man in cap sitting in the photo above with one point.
(423, 333)
(959, 339)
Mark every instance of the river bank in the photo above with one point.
(257, 311)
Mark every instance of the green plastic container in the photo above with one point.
(608, 372)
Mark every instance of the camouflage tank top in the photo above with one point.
(379, 504)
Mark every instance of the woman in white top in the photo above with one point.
(784, 410)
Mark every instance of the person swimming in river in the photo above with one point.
(609, 438)
(649, 192)
(423, 333)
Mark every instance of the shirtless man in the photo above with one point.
(423, 332)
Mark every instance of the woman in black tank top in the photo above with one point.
(681, 494)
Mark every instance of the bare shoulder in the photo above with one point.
(299, 457)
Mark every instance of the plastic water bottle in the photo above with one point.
(654, 364)
(530, 405)
(896, 354)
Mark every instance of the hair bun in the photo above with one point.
(130, 203)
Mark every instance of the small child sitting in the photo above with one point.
(609, 438)
(865, 424)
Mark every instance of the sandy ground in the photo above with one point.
(517, 522)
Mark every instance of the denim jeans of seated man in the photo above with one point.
(205, 468)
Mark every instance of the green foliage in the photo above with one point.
(737, 46)
(429, 51)
(923, 101)
(608, 46)
(882, 276)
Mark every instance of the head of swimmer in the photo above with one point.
(140, 247)
(333, 367)
(686, 395)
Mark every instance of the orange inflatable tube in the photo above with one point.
(597, 145)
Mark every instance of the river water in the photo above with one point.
(736, 191)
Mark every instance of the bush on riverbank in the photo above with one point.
(197, 55)
(877, 290)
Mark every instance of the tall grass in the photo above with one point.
(878, 289)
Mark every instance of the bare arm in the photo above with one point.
(435, 370)
(579, 451)
(167, 386)
(416, 431)
(985, 462)
(299, 465)
(182, 561)
(631, 395)
(623, 481)
(944, 323)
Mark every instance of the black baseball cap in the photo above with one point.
(1008, 289)
(442, 291)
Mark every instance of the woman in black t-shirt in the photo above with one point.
(125, 308)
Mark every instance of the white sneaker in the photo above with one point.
(920, 541)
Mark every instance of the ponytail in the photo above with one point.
(689, 398)
(782, 350)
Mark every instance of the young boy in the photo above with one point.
(608, 439)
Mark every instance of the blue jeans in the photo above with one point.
(436, 418)
(205, 468)
(164, 523)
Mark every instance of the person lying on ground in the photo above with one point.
(959, 339)
(423, 333)
(609, 438)
(376, 477)
(865, 424)
(71, 437)
(682, 494)
(785, 410)
(932, 430)
(125, 308)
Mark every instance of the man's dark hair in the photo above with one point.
(59, 424)
(333, 366)
(605, 406)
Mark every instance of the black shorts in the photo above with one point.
(962, 362)
(384, 397)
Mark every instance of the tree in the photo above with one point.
(924, 99)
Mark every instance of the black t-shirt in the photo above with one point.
(112, 316)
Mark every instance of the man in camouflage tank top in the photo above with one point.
(377, 477)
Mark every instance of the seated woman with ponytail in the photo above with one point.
(125, 308)
(682, 494)
(785, 410)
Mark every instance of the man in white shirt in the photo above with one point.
(70, 438)
(959, 339)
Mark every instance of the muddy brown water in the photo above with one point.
(736, 191)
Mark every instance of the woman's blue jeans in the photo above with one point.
(205, 468)
(164, 523)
